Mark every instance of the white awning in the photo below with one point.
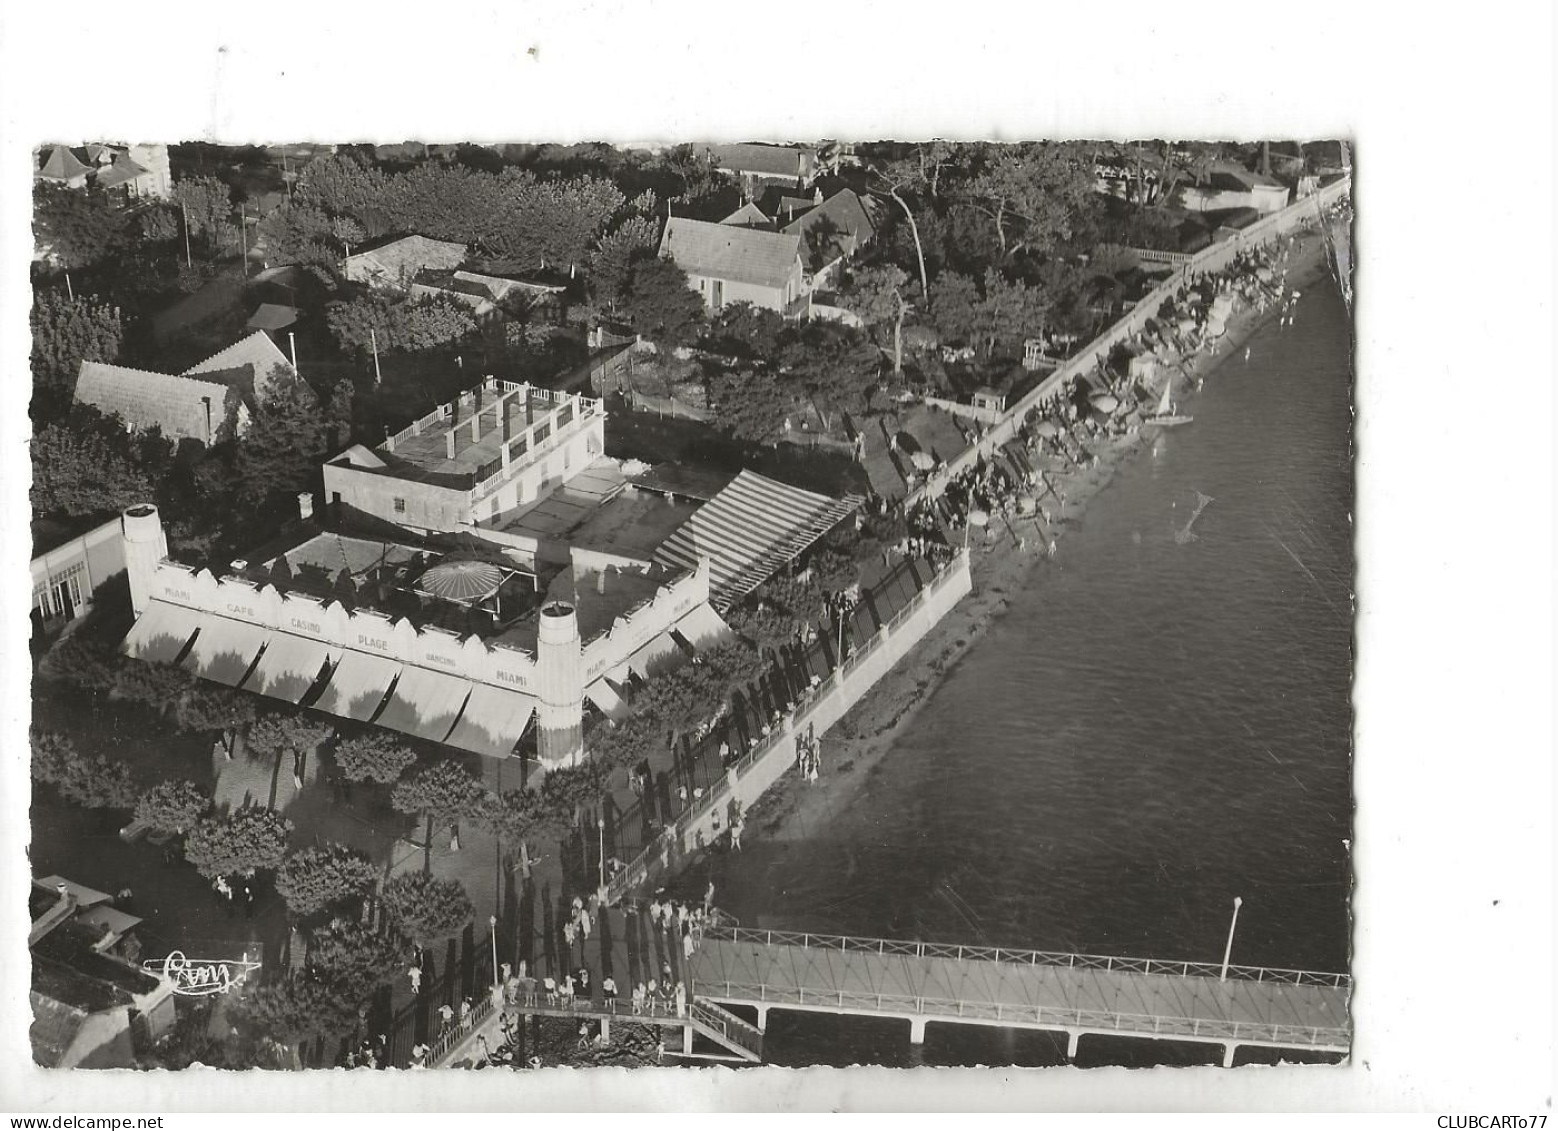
(703, 628)
(289, 666)
(606, 699)
(492, 722)
(655, 657)
(358, 685)
(161, 632)
(426, 703)
(225, 649)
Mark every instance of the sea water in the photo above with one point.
(1156, 726)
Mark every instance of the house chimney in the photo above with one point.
(305, 505)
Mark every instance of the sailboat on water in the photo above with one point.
(1165, 414)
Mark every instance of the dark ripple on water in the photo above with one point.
(1153, 728)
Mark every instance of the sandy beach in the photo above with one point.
(857, 747)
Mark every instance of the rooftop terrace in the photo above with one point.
(497, 424)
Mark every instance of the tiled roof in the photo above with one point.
(403, 258)
(749, 215)
(61, 164)
(723, 251)
(836, 227)
(764, 160)
(145, 399)
(248, 362)
(54, 1029)
(123, 170)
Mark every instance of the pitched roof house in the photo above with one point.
(207, 402)
(727, 263)
(396, 263)
(761, 162)
(59, 164)
(136, 172)
(1233, 187)
(834, 230)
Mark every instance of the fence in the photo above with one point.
(1214, 258)
(761, 766)
(1021, 957)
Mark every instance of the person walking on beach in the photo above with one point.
(608, 992)
(584, 925)
(415, 974)
(687, 942)
(737, 827)
(568, 935)
(446, 1016)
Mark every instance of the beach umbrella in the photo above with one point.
(922, 461)
(978, 518)
(461, 581)
(1105, 403)
(1215, 327)
(1046, 428)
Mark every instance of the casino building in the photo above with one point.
(484, 576)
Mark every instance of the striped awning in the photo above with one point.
(750, 529)
(357, 685)
(225, 649)
(289, 666)
(425, 703)
(161, 633)
(492, 722)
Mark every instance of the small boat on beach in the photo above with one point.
(1165, 414)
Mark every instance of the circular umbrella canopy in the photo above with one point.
(923, 461)
(1103, 402)
(978, 518)
(1046, 428)
(462, 581)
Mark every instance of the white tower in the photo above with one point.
(144, 546)
(560, 683)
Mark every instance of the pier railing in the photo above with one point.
(958, 953)
(1097, 1020)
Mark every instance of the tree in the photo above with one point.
(86, 661)
(565, 792)
(1009, 311)
(280, 453)
(892, 179)
(375, 756)
(207, 707)
(157, 685)
(315, 879)
(1032, 193)
(67, 331)
(878, 295)
(76, 473)
(296, 233)
(354, 957)
(614, 255)
(244, 841)
(660, 304)
(426, 910)
(954, 307)
(442, 794)
(172, 806)
(399, 322)
(160, 224)
(743, 330)
(752, 404)
(347, 232)
(300, 1007)
(832, 363)
(95, 782)
(519, 815)
(77, 227)
(206, 204)
(277, 733)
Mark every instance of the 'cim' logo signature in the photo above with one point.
(197, 977)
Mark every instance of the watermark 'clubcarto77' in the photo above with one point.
(1493, 1122)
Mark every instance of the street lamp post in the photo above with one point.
(1228, 950)
(497, 989)
(600, 824)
